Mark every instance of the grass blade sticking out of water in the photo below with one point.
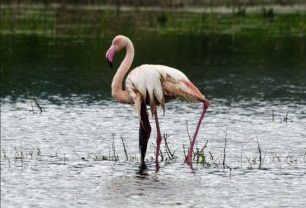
(170, 154)
(30, 97)
(260, 156)
(224, 150)
(114, 148)
(125, 152)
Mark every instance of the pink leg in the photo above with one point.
(188, 159)
(158, 140)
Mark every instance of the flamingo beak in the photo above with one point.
(110, 55)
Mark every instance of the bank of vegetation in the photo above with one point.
(100, 18)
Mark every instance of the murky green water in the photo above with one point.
(257, 89)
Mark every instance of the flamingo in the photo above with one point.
(152, 85)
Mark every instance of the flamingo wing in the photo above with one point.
(156, 84)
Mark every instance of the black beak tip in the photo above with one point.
(110, 63)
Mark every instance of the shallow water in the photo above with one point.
(55, 158)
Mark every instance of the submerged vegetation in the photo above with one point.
(203, 157)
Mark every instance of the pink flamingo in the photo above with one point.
(151, 85)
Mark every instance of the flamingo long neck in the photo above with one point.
(117, 91)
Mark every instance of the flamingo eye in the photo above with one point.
(116, 42)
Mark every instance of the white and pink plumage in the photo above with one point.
(152, 85)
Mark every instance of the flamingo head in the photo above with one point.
(119, 42)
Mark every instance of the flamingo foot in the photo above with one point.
(157, 167)
(158, 142)
(143, 169)
(143, 166)
(188, 158)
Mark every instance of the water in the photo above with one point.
(257, 90)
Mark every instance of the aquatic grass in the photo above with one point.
(200, 156)
(171, 154)
(282, 119)
(124, 147)
(260, 155)
(22, 158)
(203, 157)
(31, 98)
(224, 150)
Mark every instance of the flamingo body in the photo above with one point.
(157, 84)
(152, 85)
